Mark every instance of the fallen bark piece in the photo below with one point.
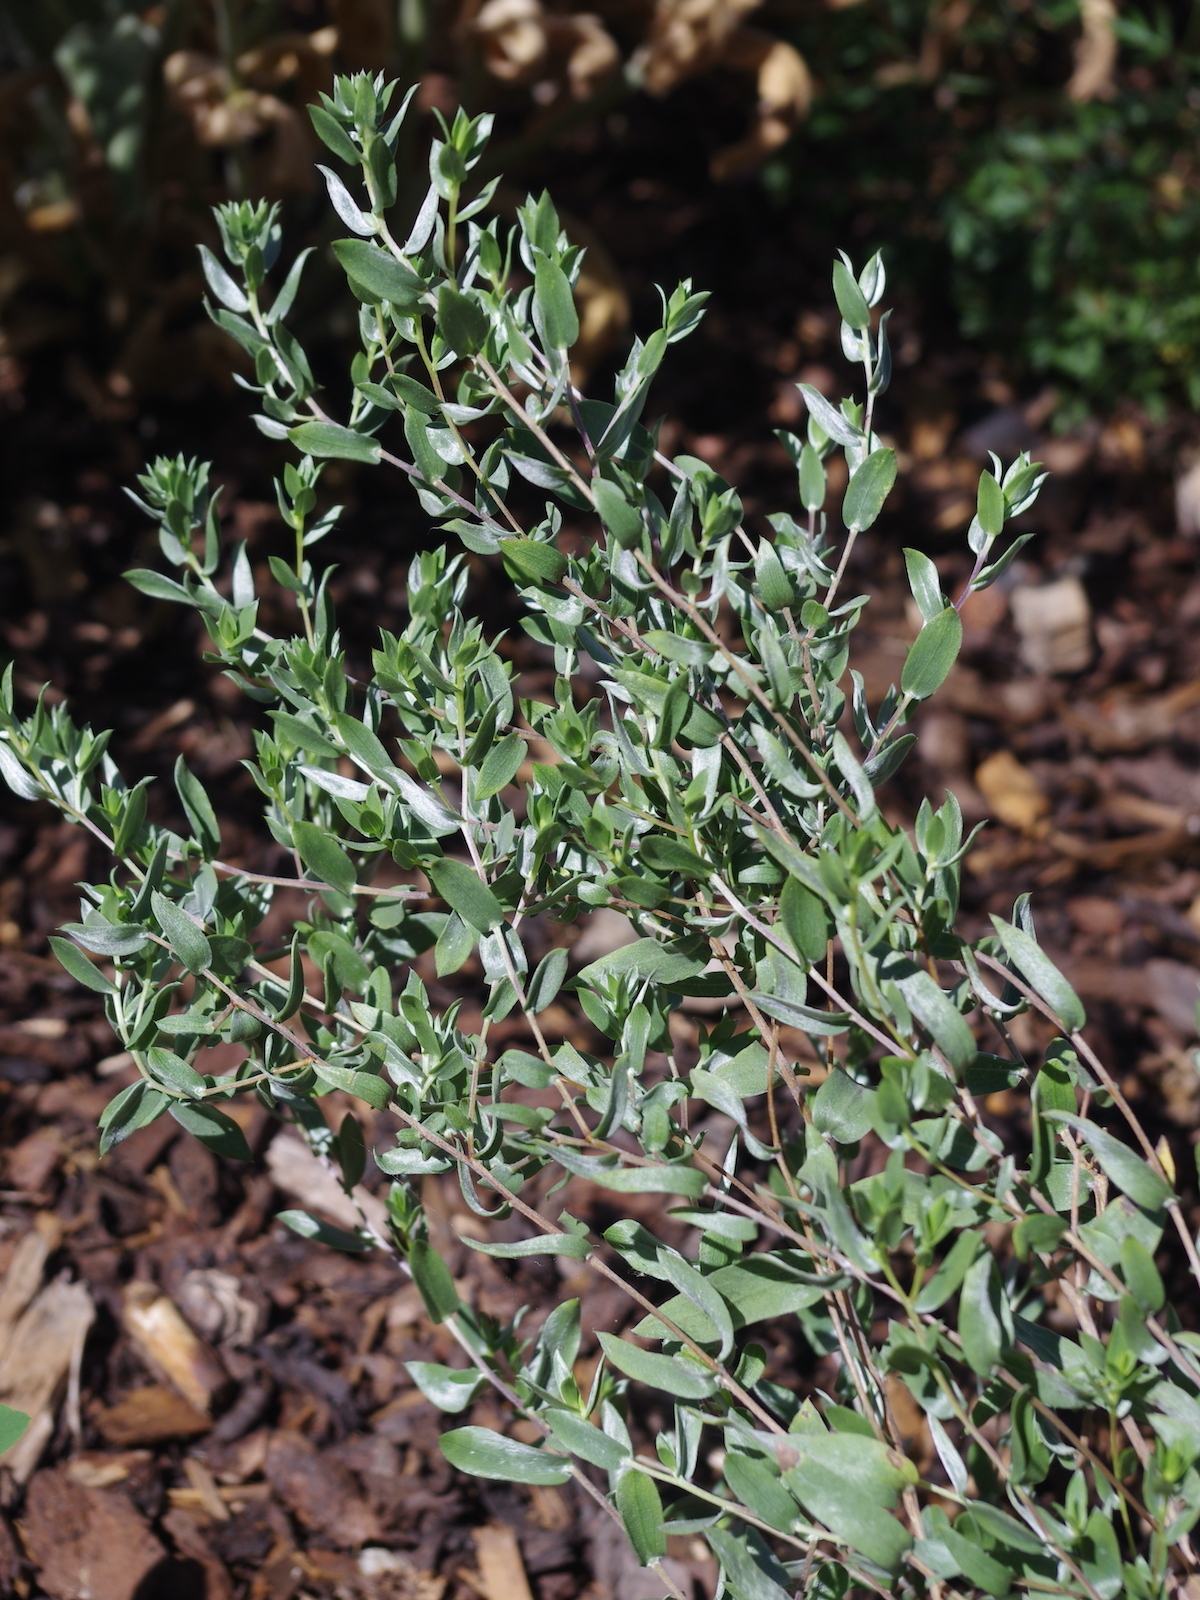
(39, 1356)
(1012, 792)
(150, 1415)
(171, 1349)
(501, 1570)
(101, 1469)
(31, 1162)
(319, 1491)
(24, 1276)
(1054, 621)
(297, 1172)
(86, 1542)
(221, 1307)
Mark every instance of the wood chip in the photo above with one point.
(501, 1570)
(1054, 621)
(100, 1469)
(205, 1486)
(150, 1415)
(39, 1355)
(24, 1276)
(170, 1348)
(1012, 792)
(86, 1542)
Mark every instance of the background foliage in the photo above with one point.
(1032, 162)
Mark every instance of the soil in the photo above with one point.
(271, 1443)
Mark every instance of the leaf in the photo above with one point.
(499, 766)
(213, 1128)
(1141, 1275)
(432, 1278)
(828, 418)
(949, 1275)
(342, 202)
(331, 439)
(759, 1490)
(694, 1286)
(147, 581)
(748, 1577)
(764, 1286)
(450, 1388)
(671, 1374)
(22, 784)
(645, 959)
(822, 1024)
(640, 1506)
(991, 507)
(967, 1557)
(952, 1461)
(485, 1454)
(174, 1071)
(848, 1480)
(187, 941)
(573, 1245)
(979, 1323)
(12, 1425)
(851, 301)
(621, 520)
(805, 920)
(1127, 1170)
(555, 304)
(108, 938)
(547, 980)
(333, 136)
(379, 272)
(461, 321)
(135, 1107)
(425, 805)
(572, 1432)
(932, 654)
(1041, 974)
(532, 562)
(686, 1181)
(851, 770)
(80, 968)
(221, 284)
(925, 583)
(842, 1108)
(368, 1086)
(351, 1151)
(868, 489)
(669, 855)
(324, 856)
(461, 888)
(932, 1006)
(323, 1232)
(198, 806)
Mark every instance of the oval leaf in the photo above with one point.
(485, 1454)
(323, 856)
(187, 941)
(868, 489)
(670, 1374)
(212, 1127)
(932, 653)
(640, 1505)
(331, 439)
(463, 891)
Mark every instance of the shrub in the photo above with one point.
(712, 779)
